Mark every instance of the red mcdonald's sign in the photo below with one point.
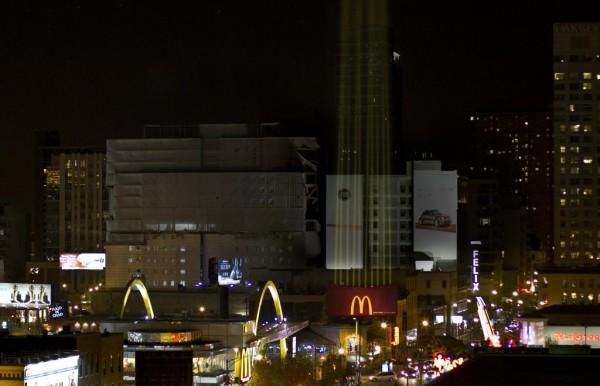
(358, 301)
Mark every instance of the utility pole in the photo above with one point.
(357, 351)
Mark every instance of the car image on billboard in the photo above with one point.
(434, 218)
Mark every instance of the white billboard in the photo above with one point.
(229, 271)
(62, 371)
(435, 209)
(344, 218)
(90, 261)
(31, 295)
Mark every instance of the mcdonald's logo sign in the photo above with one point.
(361, 305)
(364, 302)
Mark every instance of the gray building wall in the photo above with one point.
(216, 197)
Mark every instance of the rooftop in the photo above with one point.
(23, 358)
(567, 315)
(523, 369)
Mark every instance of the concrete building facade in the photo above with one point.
(180, 205)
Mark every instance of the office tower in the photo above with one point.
(74, 203)
(184, 210)
(576, 143)
(361, 252)
(516, 150)
(14, 242)
(45, 142)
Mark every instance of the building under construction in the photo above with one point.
(197, 198)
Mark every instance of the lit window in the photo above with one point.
(563, 149)
(587, 75)
(587, 160)
(598, 76)
(571, 108)
(559, 76)
(563, 202)
(586, 86)
(562, 160)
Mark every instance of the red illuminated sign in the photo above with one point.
(357, 301)
(558, 336)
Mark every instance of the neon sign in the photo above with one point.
(475, 265)
(558, 336)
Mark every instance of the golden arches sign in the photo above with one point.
(361, 304)
(244, 356)
(278, 310)
(139, 285)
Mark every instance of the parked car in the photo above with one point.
(434, 217)
(384, 376)
(409, 373)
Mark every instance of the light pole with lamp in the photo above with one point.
(357, 350)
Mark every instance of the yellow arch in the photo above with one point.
(137, 283)
(278, 310)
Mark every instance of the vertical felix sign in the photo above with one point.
(475, 246)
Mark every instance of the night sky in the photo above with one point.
(97, 70)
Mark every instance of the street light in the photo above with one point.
(383, 325)
(357, 351)
(425, 323)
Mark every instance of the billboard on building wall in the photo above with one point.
(63, 371)
(344, 222)
(30, 295)
(89, 261)
(359, 301)
(229, 271)
(435, 216)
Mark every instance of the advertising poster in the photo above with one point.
(229, 271)
(344, 230)
(30, 295)
(435, 209)
(63, 371)
(90, 261)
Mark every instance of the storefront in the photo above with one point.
(162, 351)
(561, 325)
(24, 307)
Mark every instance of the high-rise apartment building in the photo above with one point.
(183, 208)
(516, 149)
(74, 201)
(576, 143)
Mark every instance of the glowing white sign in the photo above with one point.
(63, 371)
(30, 295)
(475, 268)
(91, 261)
